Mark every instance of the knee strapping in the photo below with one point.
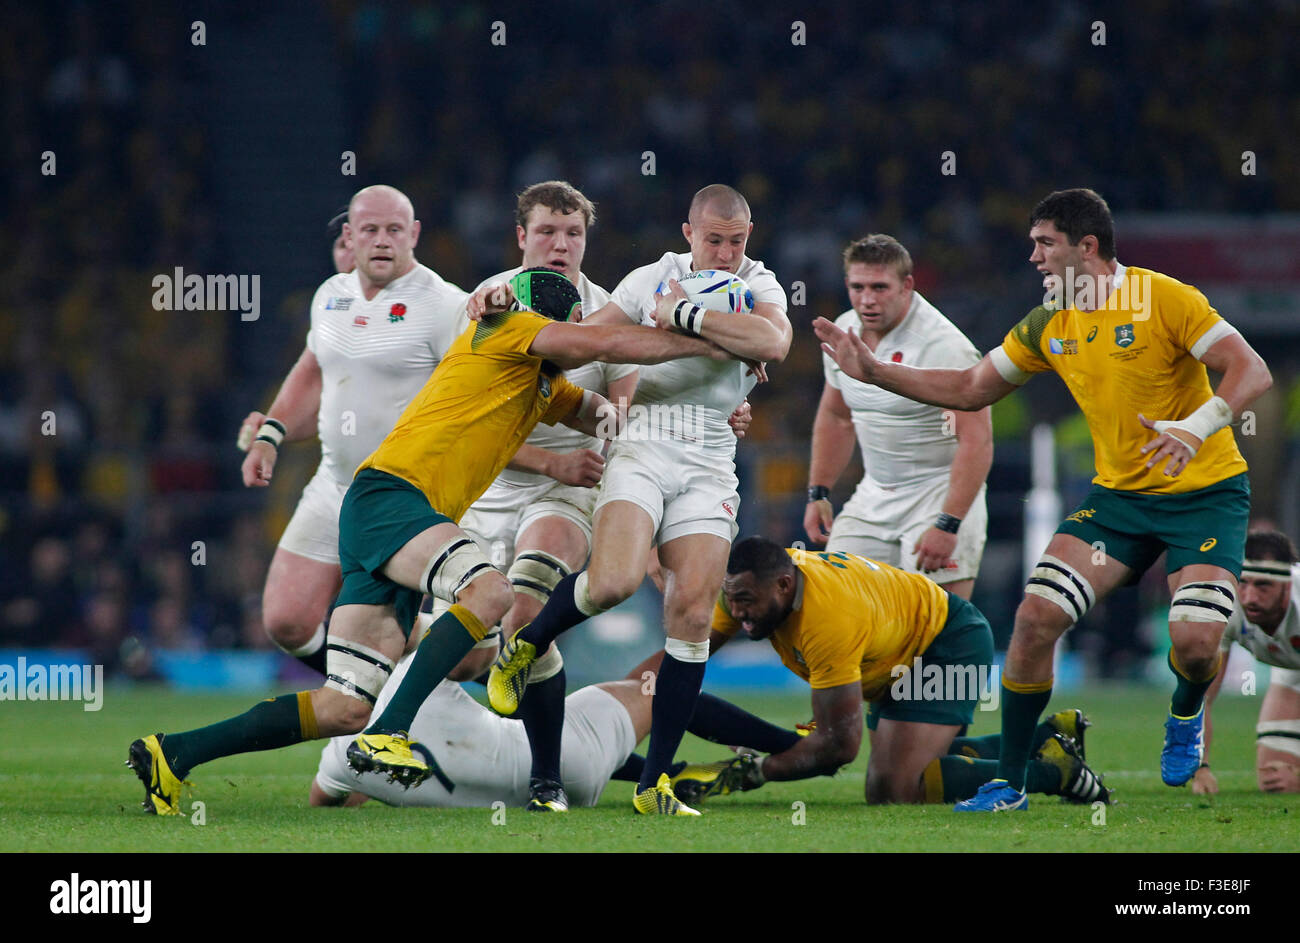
(1063, 585)
(455, 565)
(356, 670)
(1205, 601)
(1280, 735)
(536, 573)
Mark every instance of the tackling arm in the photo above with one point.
(572, 345)
(969, 390)
(837, 712)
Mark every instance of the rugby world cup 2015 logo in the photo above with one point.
(1124, 335)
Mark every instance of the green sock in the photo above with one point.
(268, 725)
(444, 645)
(1188, 694)
(1020, 710)
(954, 778)
(989, 746)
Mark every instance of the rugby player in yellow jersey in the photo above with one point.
(857, 630)
(1132, 345)
(398, 538)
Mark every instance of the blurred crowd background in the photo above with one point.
(211, 137)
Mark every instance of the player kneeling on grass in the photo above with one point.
(479, 758)
(398, 537)
(843, 623)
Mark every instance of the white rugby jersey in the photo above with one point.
(712, 388)
(595, 376)
(1282, 648)
(906, 446)
(375, 356)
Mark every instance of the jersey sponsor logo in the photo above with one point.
(338, 304)
(1057, 345)
(1209, 544)
(898, 356)
(360, 321)
(731, 512)
(397, 313)
(1092, 334)
(1124, 335)
(1081, 515)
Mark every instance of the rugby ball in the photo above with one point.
(716, 291)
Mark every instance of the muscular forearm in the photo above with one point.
(970, 469)
(747, 335)
(832, 448)
(814, 755)
(1242, 386)
(951, 389)
(532, 458)
(298, 402)
(648, 345)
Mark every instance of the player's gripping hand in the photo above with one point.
(817, 519)
(666, 303)
(1204, 783)
(259, 464)
(581, 469)
(248, 431)
(740, 419)
(847, 349)
(490, 299)
(1174, 446)
(934, 550)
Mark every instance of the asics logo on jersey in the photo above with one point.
(1092, 334)
(1209, 544)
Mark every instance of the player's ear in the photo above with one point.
(520, 232)
(415, 233)
(686, 231)
(909, 283)
(1088, 246)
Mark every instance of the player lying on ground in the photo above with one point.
(849, 626)
(1267, 624)
(1132, 345)
(398, 538)
(479, 758)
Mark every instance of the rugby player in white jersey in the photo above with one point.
(1266, 622)
(376, 334)
(920, 505)
(675, 487)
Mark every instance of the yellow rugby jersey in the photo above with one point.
(1132, 355)
(853, 620)
(476, 409)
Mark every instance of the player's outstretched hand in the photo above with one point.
(490, 299)
(817, 519)
(1204, 783)
(1177, 446)
(741, 419)
(581, 469)
(934, 550)
(847, 349)
(248, 431)
(666, 303)
(258, 465)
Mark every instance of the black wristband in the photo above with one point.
(1204, 765)
(818, 493)
(947, 523)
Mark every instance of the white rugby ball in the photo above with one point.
(717, 291)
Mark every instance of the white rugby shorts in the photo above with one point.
(313, 531)
(683, 489)
(504, 512)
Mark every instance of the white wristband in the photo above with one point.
(688, 317)
(1205, 422)
(272, 431)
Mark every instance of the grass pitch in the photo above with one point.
(64, 788)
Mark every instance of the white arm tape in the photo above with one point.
(1213, 415)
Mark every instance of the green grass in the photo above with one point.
(63, 787)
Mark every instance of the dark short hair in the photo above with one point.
(1077, 213)
(879, 249)
(545, 291)
(1270, 545)
(335, 226)
(558, 195)
(758, 555)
